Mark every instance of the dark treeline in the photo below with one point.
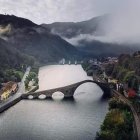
(12, 63)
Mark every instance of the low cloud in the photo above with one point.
(76, 41)
(123, 25)
(48, 11)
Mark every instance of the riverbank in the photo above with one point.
(10, 103)
(118, 123)
(12, 100)
(108, 132)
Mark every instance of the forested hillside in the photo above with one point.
(12, 61)
(127, 66)
(24, 43)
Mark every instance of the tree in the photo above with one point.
(109, 69)
(118, 123)
(0, 85)
(18, 78)
(26, 82)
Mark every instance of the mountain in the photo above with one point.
(34, 40)
(13, 63)
(16, 22)
(10, 57)
(71, 29)
(86, 35)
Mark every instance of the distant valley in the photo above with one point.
(23, 40)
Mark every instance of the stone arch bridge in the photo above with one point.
(68, 91)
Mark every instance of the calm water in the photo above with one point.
(77, 119)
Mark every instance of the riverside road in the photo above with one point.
(16, 97)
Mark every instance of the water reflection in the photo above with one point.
(68, 100)
(59, 76)
(58, 96)
(42, 97)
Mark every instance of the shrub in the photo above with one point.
(116, 103)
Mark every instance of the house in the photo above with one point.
(8, 89)
(5, 95)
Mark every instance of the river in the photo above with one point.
(57, 119)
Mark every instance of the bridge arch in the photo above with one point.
(88, 82)
(42, 96)
(30, 97)
(58, 95)
(103, 86)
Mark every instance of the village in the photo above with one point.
(116, 72)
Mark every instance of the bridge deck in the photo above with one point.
(69, 90)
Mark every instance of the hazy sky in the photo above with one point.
(48, 11)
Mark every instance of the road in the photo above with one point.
(22, 85)
(6, 104)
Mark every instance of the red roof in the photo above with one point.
(131, 93)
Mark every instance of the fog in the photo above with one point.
(88, 38)
(122, 26)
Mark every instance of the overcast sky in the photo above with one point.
(48, 11)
